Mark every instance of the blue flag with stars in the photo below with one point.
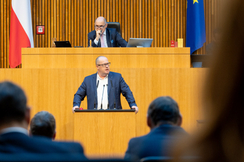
(195, 26)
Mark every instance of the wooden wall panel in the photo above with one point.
(4, 32)
(162, 20)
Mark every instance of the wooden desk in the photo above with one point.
(119, 57)
(104, 132)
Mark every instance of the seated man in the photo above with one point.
(164, 120)
(14, 120)
(102, 37)
(43, 124)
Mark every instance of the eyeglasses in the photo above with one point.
(100, 26)
(104, 65)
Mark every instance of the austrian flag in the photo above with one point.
(21, 34)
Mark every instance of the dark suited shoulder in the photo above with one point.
(21, 143)
(82, 90)
(125, 89)
(133, 147)
(92, 33)
(90, 76)
(117, 38)
(92, 36)
(158, 142)
(114, 74)
(73, 147)
(21, 157)
(134, 142)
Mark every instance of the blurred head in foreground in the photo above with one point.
(43, 124)
(163, 110)
(13, 109)
(222, 139)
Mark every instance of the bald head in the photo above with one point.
(100, 20)
(102, 65)
(100, 24)
(99, 58)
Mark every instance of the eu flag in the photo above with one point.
(195, 26)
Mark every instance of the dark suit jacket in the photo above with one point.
(15, 142)
(116, 86)
(156, 143)
(114, 39)
(41, 157)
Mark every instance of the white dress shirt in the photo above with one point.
(102, 92)
(104, 38)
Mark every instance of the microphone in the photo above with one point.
(108, 102)
(102, 98)
(90, 43)
(95, 103)
(114, 95)
(97, 83)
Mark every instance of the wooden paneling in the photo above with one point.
(119, 57)
(162, 20)
(53, 90)
(4, 32)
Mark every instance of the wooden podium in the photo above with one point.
(157, 57)
(104, 132)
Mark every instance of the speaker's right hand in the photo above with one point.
(73, 109)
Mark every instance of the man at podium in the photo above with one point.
(102, 37)
(103, 89)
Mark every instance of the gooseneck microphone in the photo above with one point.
(108, 101)
(102, 98)
(114, 95)
(95, 103)
(97, 83)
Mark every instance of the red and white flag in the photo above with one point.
(21, 34)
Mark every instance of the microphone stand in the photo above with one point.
(102, 98)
